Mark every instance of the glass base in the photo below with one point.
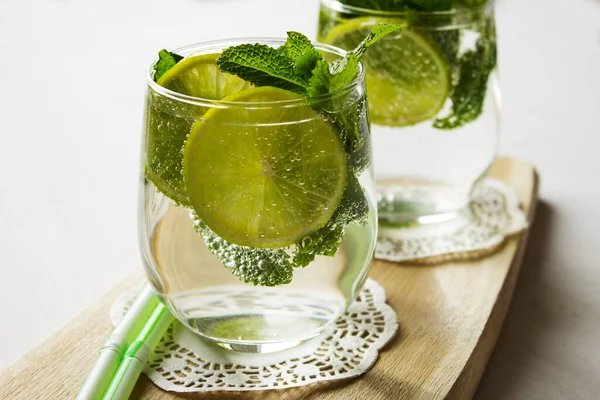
(255, 348)
(265, 333)
(418, 204)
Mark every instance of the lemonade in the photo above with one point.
(433, 101)
(257, 217)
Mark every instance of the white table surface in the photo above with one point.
(71, 96)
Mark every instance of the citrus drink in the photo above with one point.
(240, 183)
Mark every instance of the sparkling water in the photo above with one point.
(212, 302)
(437, 169)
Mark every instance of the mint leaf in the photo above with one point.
(355, 131)
(449, 44)
(299, 49)
(264, 267)
(345, 72)
(469, 93)
(306, 63)
(377, 32)
(296, 45)
(262, 65)
(297, 66)
(166, 61)
(319, 82)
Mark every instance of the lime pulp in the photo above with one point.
(264, 177)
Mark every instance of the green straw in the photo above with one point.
(116, 344)
(138, 354)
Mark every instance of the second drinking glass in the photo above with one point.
(433, 103)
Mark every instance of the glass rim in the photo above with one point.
(193, 49)
(336, 5)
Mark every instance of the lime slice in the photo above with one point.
(264, 177)
(199, 76)
(169, 121)
(406, 74)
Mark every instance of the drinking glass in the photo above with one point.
(433, 102)
(200, 275)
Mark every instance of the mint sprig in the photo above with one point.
(262, 65)
(166, 61)
(297, 66)
(300, 49)
(469, 93)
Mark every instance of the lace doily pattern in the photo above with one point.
(494, 216)
(183, 362)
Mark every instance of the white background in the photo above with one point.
(72, 81)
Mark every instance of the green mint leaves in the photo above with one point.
(378, 31)
(299, 49)
(264, 267)
(469, 93)
(297, 66)
(262, 65)
(166, 61)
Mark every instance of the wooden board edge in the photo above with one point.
(464, 387)
(467, 382)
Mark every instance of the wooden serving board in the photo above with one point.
(449, 315)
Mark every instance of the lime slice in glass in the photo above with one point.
(199, 76)
(169, 122)
(406, 74)
(264, 177)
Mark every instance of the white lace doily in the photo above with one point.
(183, 362)
(495, 215)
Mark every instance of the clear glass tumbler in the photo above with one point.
(433, 101)
(241, 292)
